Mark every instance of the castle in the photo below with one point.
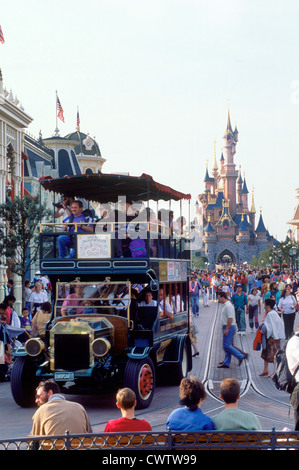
(230, 234)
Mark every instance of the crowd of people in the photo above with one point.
(16, 329)
(248, 289)
(268, 298)
(55, 414)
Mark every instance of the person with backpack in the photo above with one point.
(273, 332)
(239, 301)
(66, 242)
(292, 355)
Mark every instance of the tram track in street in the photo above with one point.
(246, 384)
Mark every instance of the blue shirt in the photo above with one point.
(74, 220)
(196, 285)
(182, 419)
(239, 300)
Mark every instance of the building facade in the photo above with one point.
(24, 160)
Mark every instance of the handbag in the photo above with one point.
(257, 343)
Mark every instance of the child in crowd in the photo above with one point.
(26, 323)
(88, 306)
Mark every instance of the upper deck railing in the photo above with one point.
(109, 244)
(128, 235)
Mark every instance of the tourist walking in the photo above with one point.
(205, 288)
(272, 332)
(229, 329)
(287, 306)
(194, 295)
(239, 301)
(254, 308)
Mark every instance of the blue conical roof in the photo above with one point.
(244, 189)
(261, 226)
(209, 227)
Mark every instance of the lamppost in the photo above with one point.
(293, 252)
(279, 254)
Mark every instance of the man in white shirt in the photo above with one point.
(165, 309)
(178, 306)
(292, 353)
(229, 329)
(148, 300)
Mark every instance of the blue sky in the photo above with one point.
(153, 80)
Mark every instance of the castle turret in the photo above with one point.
(252, 212)
(229, 172)
(245, 193)
(239, 187)
(261, 235)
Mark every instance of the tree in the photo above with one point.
(19, 233)
(264, 259)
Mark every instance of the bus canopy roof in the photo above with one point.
(106, 188)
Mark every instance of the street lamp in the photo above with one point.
(293, 252)
(279, 254)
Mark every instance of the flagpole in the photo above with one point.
(56, 130)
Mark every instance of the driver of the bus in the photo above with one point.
(148, 301)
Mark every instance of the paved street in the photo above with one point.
(262, 397)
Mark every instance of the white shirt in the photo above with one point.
(287, 304)
(177, 304)
(228, 311)
(153, 303)
(167, 307)
(274, 325)
(292, 352)
(253, 299)
(40, 298)
(15, 320)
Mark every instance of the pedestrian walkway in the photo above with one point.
(256, 399)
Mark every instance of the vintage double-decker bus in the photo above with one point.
(119, 289)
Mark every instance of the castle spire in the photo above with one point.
(252, 209)
(228, 124)
(215, 166)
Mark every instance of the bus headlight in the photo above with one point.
(34, 346)
(100, 347)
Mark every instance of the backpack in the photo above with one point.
(282, 377)
(137, 248)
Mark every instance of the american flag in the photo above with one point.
(1, 36)
(59, 110)
(78, 120)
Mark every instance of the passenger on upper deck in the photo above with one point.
(66, 242)
(106, 220)
(115, 221)
(63, 208)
